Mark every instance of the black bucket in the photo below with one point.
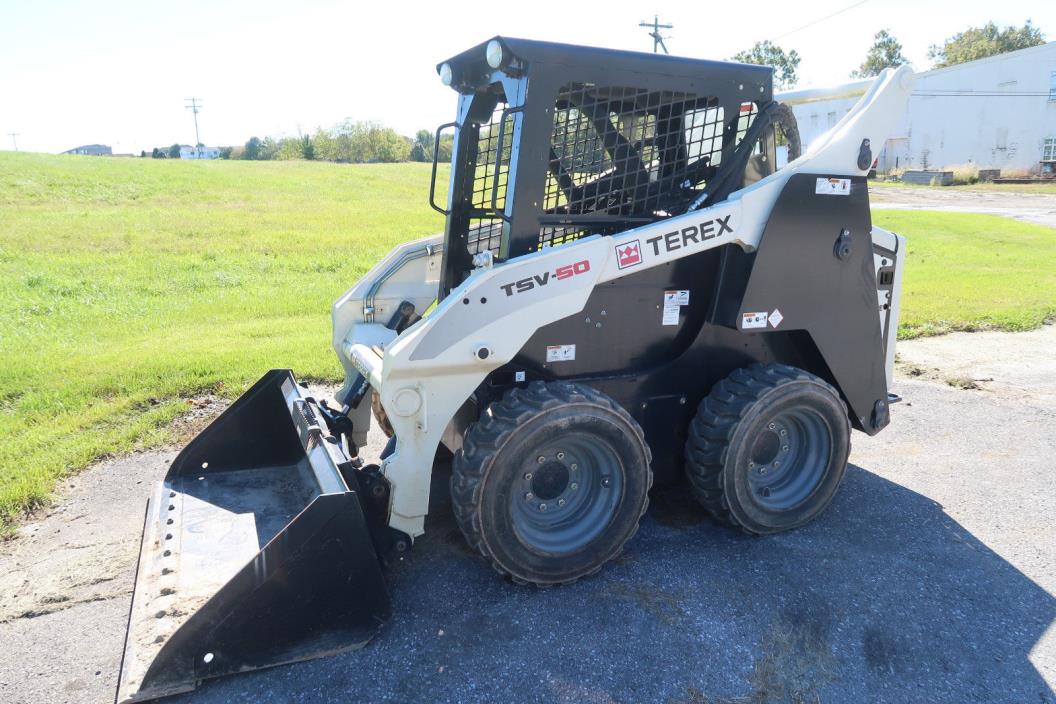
(255, 551)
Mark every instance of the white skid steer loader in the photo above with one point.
(626, 290)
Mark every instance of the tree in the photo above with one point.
(766, 53)
(174, 151)
(269, 149)
(225, 152)
(307, 148)
(252, 149)
(886, 52)
(157, 154)
(980, 42)
(422, 149)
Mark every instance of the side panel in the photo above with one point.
(833, 298)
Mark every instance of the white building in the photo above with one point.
(993, 113)
(199, 152)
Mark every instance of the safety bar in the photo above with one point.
(498, 153)
(432, 179)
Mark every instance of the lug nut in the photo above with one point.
(574, 467)
(529, 496)
(784, 433)
(574, 486)
(772, 426)
(527, 476)
(605, 481)
(776, 465)
(560, 455)
(762, 470)
(784, 448)
(560, 502)
(542, 507)
(540, 459)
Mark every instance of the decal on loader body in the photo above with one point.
(562, 272)
(629, 254)
(694, 234)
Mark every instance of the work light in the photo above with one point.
(494, 53)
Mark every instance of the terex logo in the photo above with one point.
(562, 272)
(628, 254)
(697, 234)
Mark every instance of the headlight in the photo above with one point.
(494, 53)
(446, 75)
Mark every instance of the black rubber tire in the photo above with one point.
(511, 431)
(730, 423)
(379, 414)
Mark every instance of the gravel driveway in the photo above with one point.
(930, 579)
(1032, 207)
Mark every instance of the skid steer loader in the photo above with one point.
(625, 289)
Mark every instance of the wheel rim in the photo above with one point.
(788, 459)
(566, 493)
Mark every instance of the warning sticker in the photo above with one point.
(753, 320)
(776, 317)
(673, 302)
(560, 353)
(833, 187)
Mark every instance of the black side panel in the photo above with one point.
(797, 270)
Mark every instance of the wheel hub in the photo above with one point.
(550, 481)
(567, 494)
(788, 459)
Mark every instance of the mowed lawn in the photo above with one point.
(128, 286)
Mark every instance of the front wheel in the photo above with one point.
(551, 482)
(768, 448)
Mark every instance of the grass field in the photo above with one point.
(1047, 187)
(128, 286)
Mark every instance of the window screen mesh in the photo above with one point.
(490, 177)
(629, 152)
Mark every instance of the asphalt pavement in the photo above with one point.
(931, 578)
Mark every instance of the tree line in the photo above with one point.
(349, 142)
(886, 51)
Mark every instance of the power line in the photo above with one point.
(14, 138)
(658, 39)
(195, 104)
(819, 20)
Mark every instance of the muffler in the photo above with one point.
(255, 553)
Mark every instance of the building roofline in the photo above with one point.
(995, 57)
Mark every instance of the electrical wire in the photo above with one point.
(819, 20)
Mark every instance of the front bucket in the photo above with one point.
(255, 551)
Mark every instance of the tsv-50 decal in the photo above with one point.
(538, 280)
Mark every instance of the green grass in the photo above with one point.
(968, 272)
(128, 286)
(1047, 187)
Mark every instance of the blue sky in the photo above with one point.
(117, 72)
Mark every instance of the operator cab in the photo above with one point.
(555, 142)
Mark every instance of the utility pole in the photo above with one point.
(194, 105)
(658, 40)
(14, 138)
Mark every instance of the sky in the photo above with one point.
(117, 72)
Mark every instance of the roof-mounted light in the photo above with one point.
(446, 74)
(494, 53)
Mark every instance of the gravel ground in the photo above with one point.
(930, 579)
(1032, 207)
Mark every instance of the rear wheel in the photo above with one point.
(768, 448)
(551, 482)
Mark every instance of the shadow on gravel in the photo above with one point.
(885, 598)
